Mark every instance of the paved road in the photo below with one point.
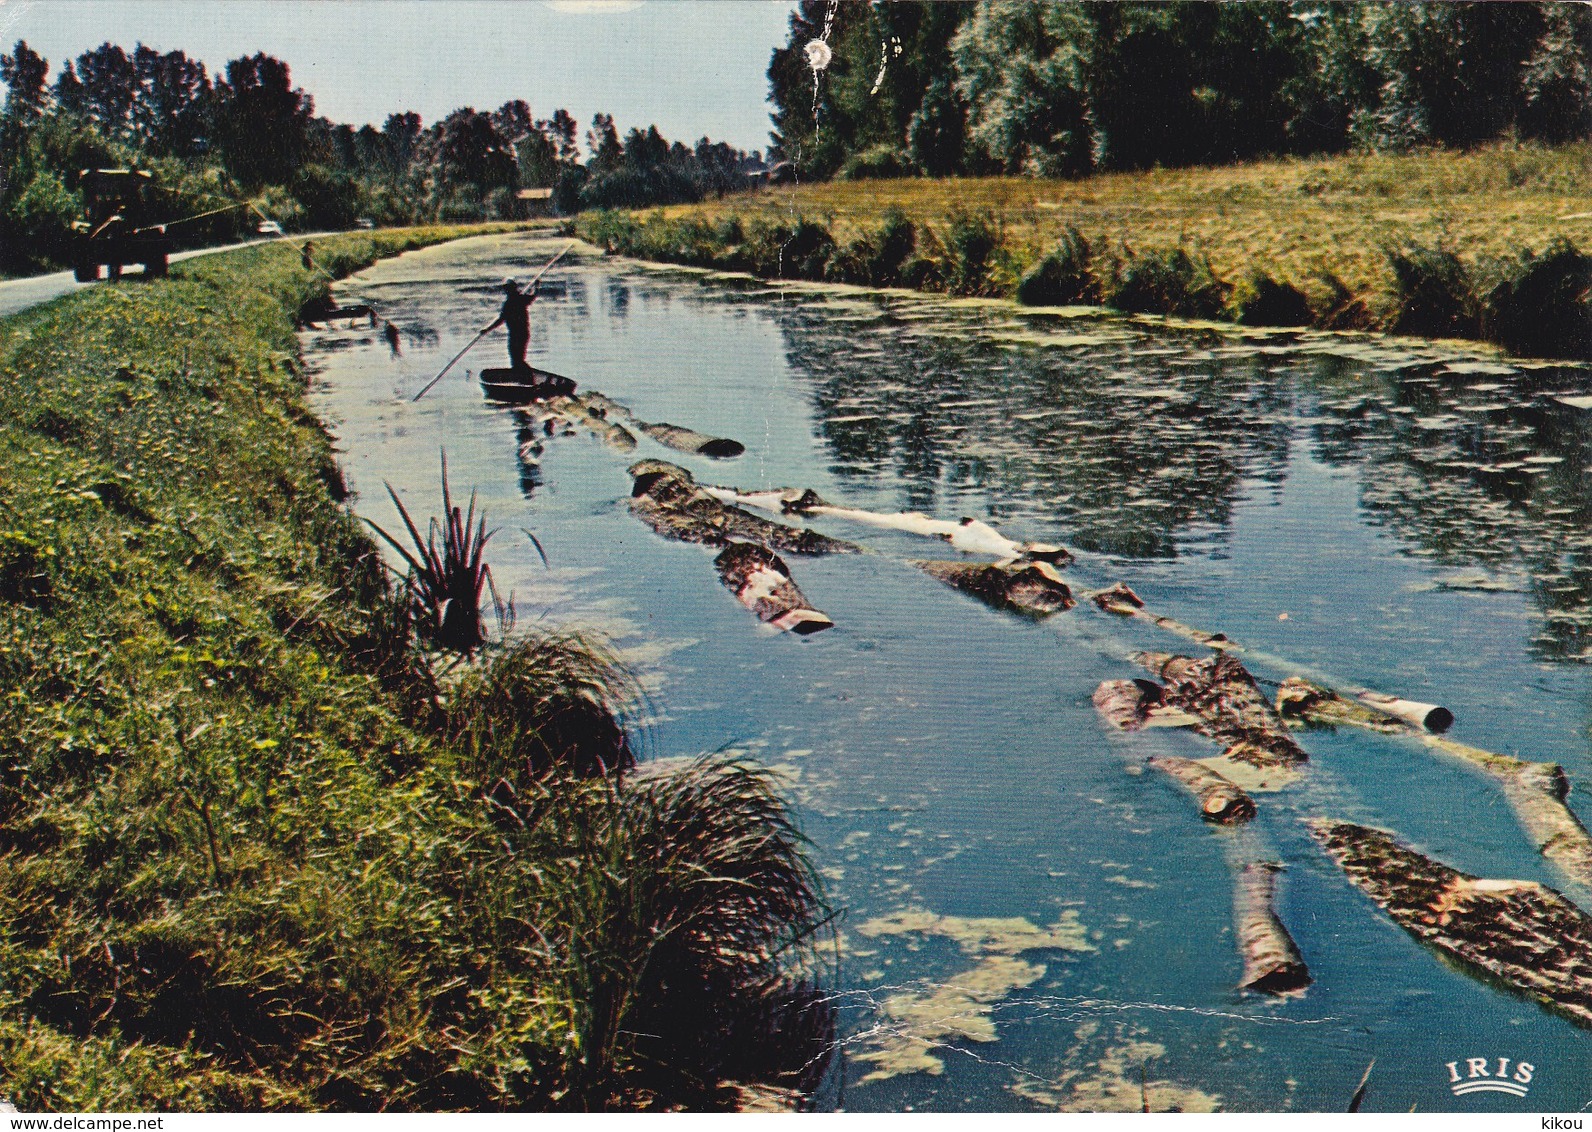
(20, 294)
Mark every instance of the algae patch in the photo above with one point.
(1118, 1081)
(914, 1023)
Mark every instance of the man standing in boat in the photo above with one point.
(516, 315)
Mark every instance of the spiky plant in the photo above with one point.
(446, 581)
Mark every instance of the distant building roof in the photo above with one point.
(535, 194)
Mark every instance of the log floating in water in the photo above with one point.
(762, 583)
(1220, 801)
(1034, 589)
(1128, 703)
(1535, 791)
(1221, 692)
(1521, 933)
(670, 436)
(1272, 963)
(968, 535)
(667, 498)
(691, 441)
(578, 411)
(1121, 600)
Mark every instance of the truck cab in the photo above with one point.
(114, 230)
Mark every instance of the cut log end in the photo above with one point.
(1127, 703)
(1272, 963)
(761, 581)
(1220, 800)
(802, 622)
(1119, 599)
(722, 448)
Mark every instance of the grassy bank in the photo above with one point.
(254, 853)
(1480, 244)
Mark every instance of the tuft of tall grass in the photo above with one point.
(548, 703)
(1259, 300)
(446, 580)
(1433, 291)
(973, 246)
(1061, 276)
(679, 925)
(1167, 281)
(1542, 305)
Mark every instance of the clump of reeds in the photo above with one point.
(1167, 281)
(550, 702)
(1061, 276)
(1543, 304)
(448, 575)
(679, 918)
(1433, 292)
(1260, 300)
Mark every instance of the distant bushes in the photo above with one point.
(1534, 304)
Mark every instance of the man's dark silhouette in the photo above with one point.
(516, 315)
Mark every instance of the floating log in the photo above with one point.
(1034, 589)
(1231, 709)
(689, 440)
(667, 498)
(1535, 791)
(1127, 703)
(1371, 710)
(1220, 800)
(580, 410)
(1121, 600)
(1522, 934)
(671, 436)
(762, 583)
(968, 535)
(1272, 963)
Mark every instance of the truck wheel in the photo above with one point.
(113, 271)
(85, 272)
(155, 266)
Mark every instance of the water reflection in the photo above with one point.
(1489, 474)
(1136, 440)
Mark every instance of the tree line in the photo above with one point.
(249, 133)
(901, 87)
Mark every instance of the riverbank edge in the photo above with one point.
(238, 870)
(1531, 303)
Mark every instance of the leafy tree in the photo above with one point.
(603, 144)
(102, 89)
(470, 168)
(513, 120)
(171, 106)
(815, 117)
(937, 131)
(24, 72)
(1451, 73)
(401, 135)
(1556, 86)
(261, 121)
(1023, 70)
(561, 128)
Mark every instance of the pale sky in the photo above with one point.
(692, 67)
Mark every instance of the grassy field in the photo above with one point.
(256, 849)
(1330, 229)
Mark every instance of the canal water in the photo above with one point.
(1029, 920)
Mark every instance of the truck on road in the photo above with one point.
(114, 229)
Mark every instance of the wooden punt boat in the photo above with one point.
(521, 386)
